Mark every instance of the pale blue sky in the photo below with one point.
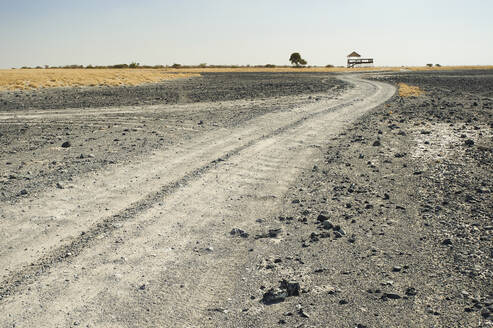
(99, 32)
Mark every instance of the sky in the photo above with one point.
(255, 32)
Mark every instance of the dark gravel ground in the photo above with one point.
(31, 156)
(394, 227)
(208, 87)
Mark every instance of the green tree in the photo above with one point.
(296, 59)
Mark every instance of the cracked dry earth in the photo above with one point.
(314, 201)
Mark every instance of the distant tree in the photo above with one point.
(296, 59)
(133, 65)
(202, 65)
(175, 65)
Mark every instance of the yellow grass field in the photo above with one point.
(324, 69)
(20, 79)
(409, 90)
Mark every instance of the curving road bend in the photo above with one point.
(148, 243)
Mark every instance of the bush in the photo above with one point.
(329, 66)
(429, 65)
(176, 65)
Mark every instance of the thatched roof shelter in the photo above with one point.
(354, 54)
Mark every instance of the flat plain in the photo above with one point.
(250, 199)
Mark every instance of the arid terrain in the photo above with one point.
(252, 199)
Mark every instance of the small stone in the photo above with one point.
(274, 295)
(66, 144)
(327, 224)
(469, 142)
(340, 230)
(396, 268)
(343, 301)
(142, 287)
(273, 233)
(376, 143)
(292, 287)
(391, 296)
(411, 291)
(23, 192)
(303, 313)
(238, 232)
(447, 242)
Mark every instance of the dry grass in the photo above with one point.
(322, 69)
(16, 79)
(20, 79)
(409, 90)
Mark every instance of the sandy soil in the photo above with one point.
(306, 202)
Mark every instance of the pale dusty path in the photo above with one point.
(151, 223)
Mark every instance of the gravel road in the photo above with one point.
(155, 232)
(309, 201)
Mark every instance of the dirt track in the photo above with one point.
(195, 232)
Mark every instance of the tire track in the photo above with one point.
(28, 275)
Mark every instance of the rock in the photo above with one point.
(411, 291)
(142, 287)
(391, 296)
(376, 143)
(274, 295)
(327, 224)
(292, 287)
(343, 301)
(273, 233)
(239, 232)
(66, 144)
(339, 230)
(200, 122)
(59, 185)
(322, 218)
(303, 313)
(23, 192)
(396, 268)
(447, 242)
(469, 142)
